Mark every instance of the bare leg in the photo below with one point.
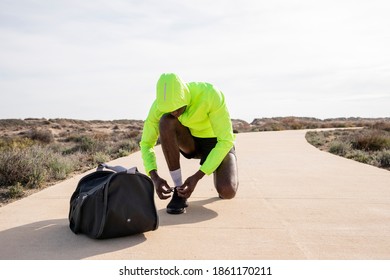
(226, 177)
(173, 138)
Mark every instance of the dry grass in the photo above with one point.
(36, 153)
(293, 123)
(370, 145)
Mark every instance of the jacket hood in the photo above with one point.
(172, 93)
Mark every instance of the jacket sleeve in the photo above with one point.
(222, 126)
(149, 139)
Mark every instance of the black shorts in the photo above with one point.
(203, 147)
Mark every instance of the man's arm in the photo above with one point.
(149, 138)
(222, 126)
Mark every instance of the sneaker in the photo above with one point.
(177, 204)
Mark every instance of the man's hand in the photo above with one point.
(189, 185)
(162, 188)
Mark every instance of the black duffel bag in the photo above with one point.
(113, 203)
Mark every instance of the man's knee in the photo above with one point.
(227, 191)
(226, 177)
(167, 123)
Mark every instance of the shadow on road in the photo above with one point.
(195, 213)
(53, 240)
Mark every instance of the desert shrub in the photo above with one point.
(123, 153)
(34, 166)
(60, 167)
(100, 157)
(383, 158)
(339, 148)
(6, 123)
(359, 156)
(41, 135)
(58, 148)
(31, 157)
(122, 147)
(87, 144)
(133, 134)
(24, 166)
(373, 144)
(382, 126)
(16, 191)
(339, 124)
(292, 123)
(274, 126)
(371, 140)
(130, 145)
(8, 143)
(316, 138)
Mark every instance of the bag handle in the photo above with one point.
(117, 168)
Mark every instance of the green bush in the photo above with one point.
(123, 153)
(7, 143)
(339, 148)
(384, 158)
(60, 167)
(22, 166)
(85, 144)
(16, 191)
(359, 156)
(316, 138)
(100, 157)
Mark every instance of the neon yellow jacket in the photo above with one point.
(206, 116)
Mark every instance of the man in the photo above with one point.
(191, 119)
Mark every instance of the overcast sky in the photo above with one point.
(100, 59)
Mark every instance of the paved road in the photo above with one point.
(294, 202)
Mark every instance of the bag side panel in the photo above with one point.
(92, 213)
(131, 208)
(86, 204)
